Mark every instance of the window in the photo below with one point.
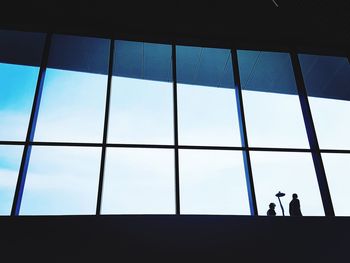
(10, 160)
(61, 181)
(289, 173)
(207, 111)
(139, 181)
(141, 109)
(143, 157)
(73, 100)
(337, 168)
(212, 182)
(327, 81)
(271, 104)
(20, 58)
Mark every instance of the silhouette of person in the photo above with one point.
(271, 211)
(294, 206)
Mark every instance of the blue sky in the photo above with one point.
(10, 158)
(64, 180)
(61, 180)
(17, 87)
(72, 107)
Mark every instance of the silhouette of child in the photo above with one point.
(271, 211)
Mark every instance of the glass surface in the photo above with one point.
(141, 111)
(289, 173)
(17, 88)
(212, 182)
(337, 167)
(74, 94)
(271, 104)
(327, 81)
(207, 109)
(21, 48)
(141, 108)
(61, 181)
(139, 181)
(20, 58)
(10, 161)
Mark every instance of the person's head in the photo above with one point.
(272, 205)
(295, 196)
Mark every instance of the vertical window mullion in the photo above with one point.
(176, 137)
(105, 128)
(311, 133)
(31, 129)
(244, 137)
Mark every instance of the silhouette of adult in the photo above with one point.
(294, 206)
(271, 211)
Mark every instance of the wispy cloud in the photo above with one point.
(61, 180)
(72, 107)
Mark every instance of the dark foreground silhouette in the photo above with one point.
(294, 206)
(271, 211)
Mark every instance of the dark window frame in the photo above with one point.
(293, 53)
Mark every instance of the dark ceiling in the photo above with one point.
(315, 23)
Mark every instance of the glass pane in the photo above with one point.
(207, 110)
(61, 181)
(139, 181)
(271, 104)
(20, 58)
(213, 182)
(74, 93)
(141, 108)
(327, 81)
(10, 161)
(337, 168)
(289, 173)
(21, 48)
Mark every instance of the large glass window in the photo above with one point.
(289, 173)
(73, 100)
(10, 160)
(139, 181)
(337, 168)
(272, 108)
(61, 181)
(207, 111)
(212, 182)
(141, 108)
(20, 58)
(327, 81)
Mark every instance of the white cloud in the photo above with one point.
(72, 107)
(13, 125)
(61, 180)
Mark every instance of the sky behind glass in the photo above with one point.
(64, 180)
